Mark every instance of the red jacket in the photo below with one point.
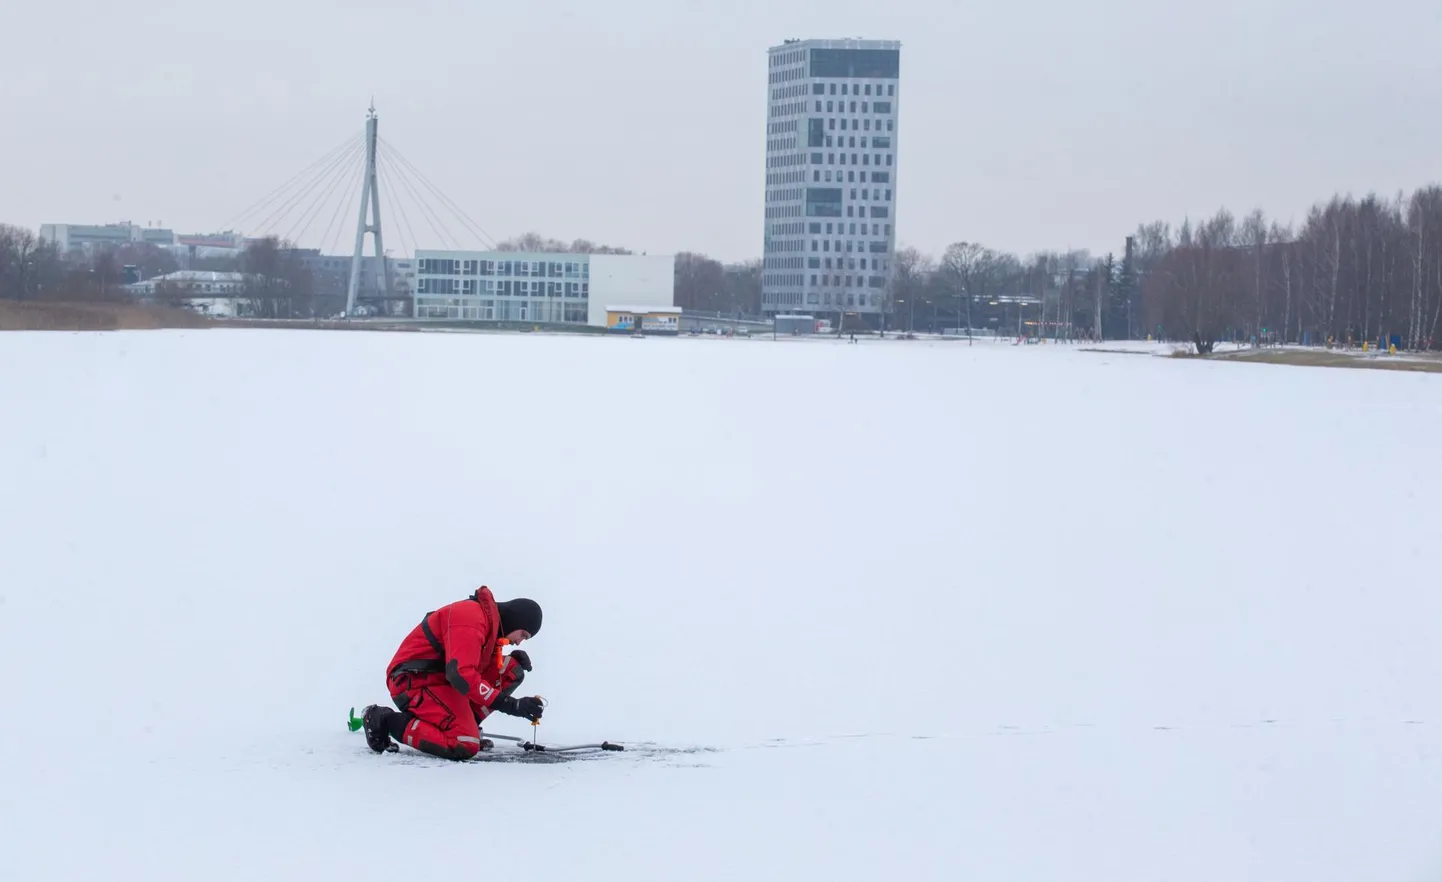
(458, 640)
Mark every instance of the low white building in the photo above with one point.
(549, 288)
(219, 294)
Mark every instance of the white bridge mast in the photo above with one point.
(370, 198)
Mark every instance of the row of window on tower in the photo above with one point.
(814, 228)
(775, 248)
(820, 177)
(856, 125)
(875, 247)
(874, 264)
(856, 159)
(877, 229)
(817, 206)
(855, 89)
(795, 108)
(781, 59)
(816, 131)
(818, 298)
(848, 263)
(873, 142)
(784, 92)
(774, 260)
(881, 107)
(835, 281)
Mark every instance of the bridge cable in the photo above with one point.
(266, 200)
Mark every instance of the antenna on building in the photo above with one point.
(370, 198)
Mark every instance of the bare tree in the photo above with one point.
(535, 243)
(1101, 283)
(962, 267)
(149, 259)
(1196, 287)
(700, 283)
(27, 265)
(277, 283)
(743, 286)
(106, 278)
(910, 273)
(172, 294)
(1254, 235)
(1424, 236)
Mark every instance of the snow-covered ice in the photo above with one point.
(891, 610)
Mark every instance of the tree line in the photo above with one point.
(968, 286)
(1353, 271)
(33, 269)
(707, 285)
(535, 243)
(276, 283)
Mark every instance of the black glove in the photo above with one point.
(521, 659)
(529, 708)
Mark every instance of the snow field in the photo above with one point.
(932, 611)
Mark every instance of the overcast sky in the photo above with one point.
(1024, 125)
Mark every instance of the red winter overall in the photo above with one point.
(447, 674)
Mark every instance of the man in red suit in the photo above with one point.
(449, 674)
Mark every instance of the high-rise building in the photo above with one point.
(830, 175)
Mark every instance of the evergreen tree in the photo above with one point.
(1126, 296)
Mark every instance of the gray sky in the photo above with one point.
(1024, 125)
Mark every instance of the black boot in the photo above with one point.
(377, 722)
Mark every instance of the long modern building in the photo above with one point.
(507, 286)
(831, 131)
(86, 238)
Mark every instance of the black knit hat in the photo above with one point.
(521, 614)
